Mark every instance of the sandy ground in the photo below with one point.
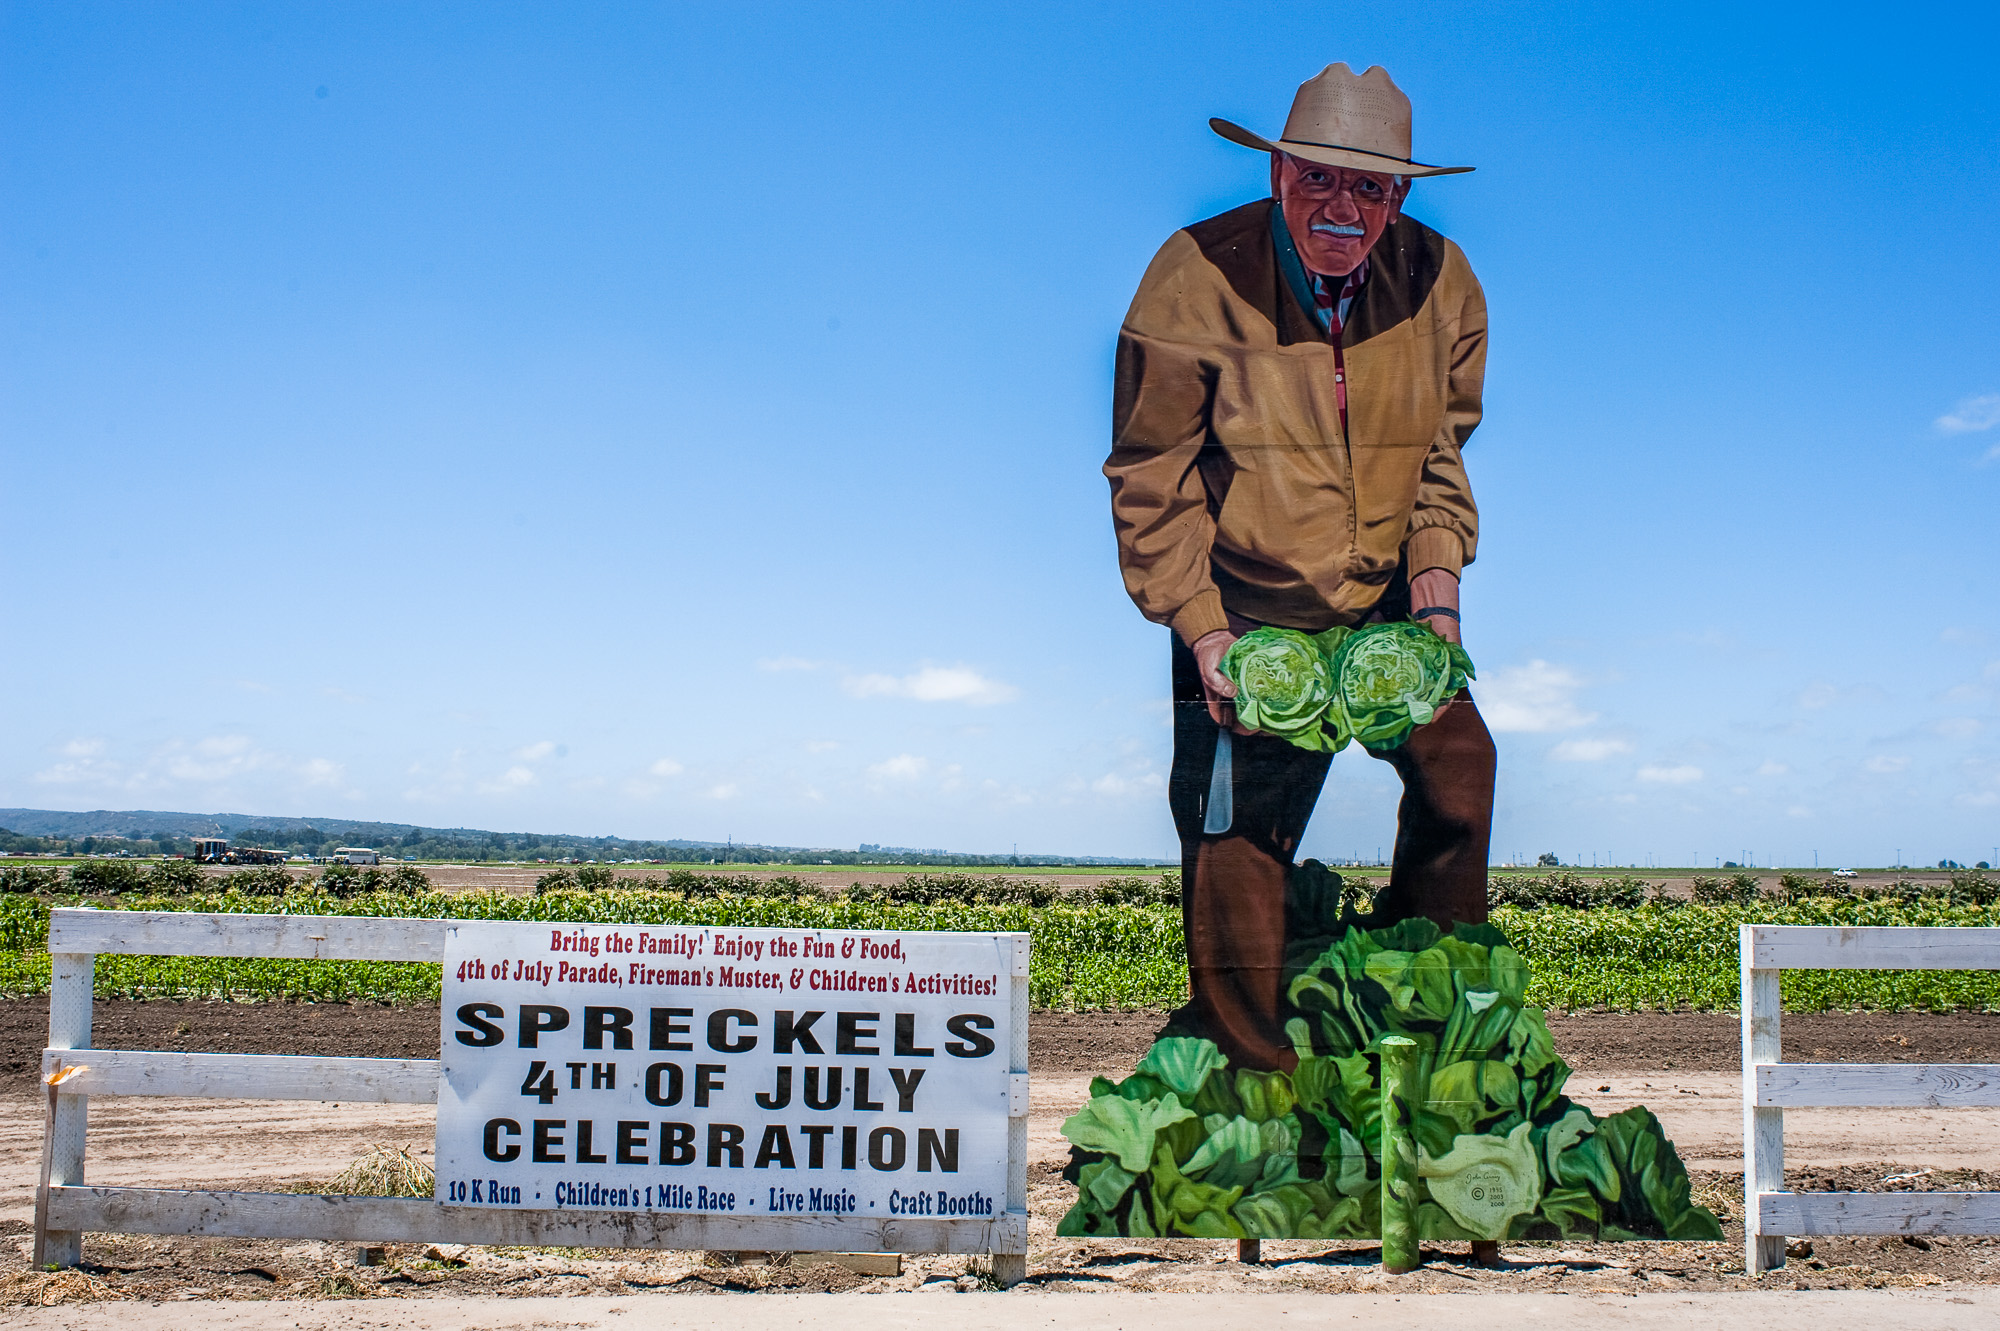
(263, 1145)
(1900, 1310)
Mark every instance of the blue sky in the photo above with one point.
(684, 421)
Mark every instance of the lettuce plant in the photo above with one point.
(1188, 1147)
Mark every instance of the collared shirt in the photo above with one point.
(1315, 291)
(1332, 315)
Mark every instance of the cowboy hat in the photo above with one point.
(1340, 118)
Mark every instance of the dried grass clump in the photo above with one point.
(46, 1289)
(386, 1171)
(335, 1287)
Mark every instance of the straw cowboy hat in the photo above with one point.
(1340, 118)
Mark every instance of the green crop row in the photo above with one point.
(1085, 956)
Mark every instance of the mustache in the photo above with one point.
(1332, 229)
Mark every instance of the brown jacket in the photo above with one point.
(1231, 484)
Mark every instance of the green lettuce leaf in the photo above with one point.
(1264, 1095)
(1237, 1135)
(1656, 1184)
(1105, 1184)
(1350, 1176)
(1182, 1063)
(1484, 1182)
(1124, 1129)
(1434, 1222)
(1572, 1210)
(1277, 1214)
(1186, 1206)
(1474, 1091)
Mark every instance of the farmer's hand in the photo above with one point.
(1436, 587)
(1215, 686)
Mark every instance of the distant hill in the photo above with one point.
(153, 830)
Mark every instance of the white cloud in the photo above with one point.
(81, 771)
(725, 791)
(1957, 727)
(321, 772)
(1798, 811)
(1588, 750)
(1819, 695)
(514, 778)
(1533, 698)
(933, 684)
(665, 767)
(1773, 769)
(1883, 762)
(1670, 776)
(822, 745)
(218, 758)
(534, 753)
(1972, 415)
(902, 767)
(207, 762)
(1114, 784)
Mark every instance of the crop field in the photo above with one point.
(1116, 946)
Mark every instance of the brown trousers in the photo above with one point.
(1233, 883)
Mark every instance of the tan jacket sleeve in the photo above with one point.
(1444, 524)
(1159, 423)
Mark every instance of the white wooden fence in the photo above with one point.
(1770, 1086)
(69, 1208)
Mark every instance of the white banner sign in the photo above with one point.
(749, 1072)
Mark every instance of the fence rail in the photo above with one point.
(67, 1208)
(1771, 1086)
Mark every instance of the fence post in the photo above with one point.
(1011, 1268)
(1402, 1246)
(71, 984)
(1763, 1129)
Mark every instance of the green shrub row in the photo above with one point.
(1085, 955)
(1578, 892)
(175, 877)
(922, 889)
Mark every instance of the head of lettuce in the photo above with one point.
(1374, 684)
(1284, 687)
(1391, 678)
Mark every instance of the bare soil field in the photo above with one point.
(1683, 1066)
(1060, 1044)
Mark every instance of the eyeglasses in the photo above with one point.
(1326, 182)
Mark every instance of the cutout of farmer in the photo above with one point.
(1295, 381)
